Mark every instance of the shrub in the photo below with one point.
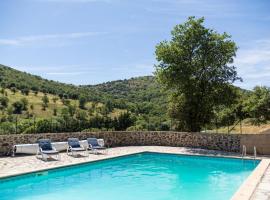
(82, 101)
(3, 102)
(25, 103)
(18, 107)
(7, 128)
(25, 91)
(45, 101)
(43, 126)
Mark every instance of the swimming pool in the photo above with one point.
(144, 176)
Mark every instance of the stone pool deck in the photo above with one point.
(262, 191)
(257, 186)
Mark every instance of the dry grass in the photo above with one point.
(247, 128)
(36, 102)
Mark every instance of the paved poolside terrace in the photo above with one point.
(257, 185)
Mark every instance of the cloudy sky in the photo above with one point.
(93, 41)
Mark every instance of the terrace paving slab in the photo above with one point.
(12, 166)
(262, 191)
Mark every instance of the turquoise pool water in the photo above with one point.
(146, 176)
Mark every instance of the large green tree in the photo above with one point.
(196, 67)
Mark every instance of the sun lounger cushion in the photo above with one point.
(74, 143)
(93, 142)
(45, 145)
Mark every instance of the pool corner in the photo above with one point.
(247, 189)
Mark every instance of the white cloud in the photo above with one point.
(65, 73)
(147, 66)
(25, 40)
(253, 64)
(59, 70)
(190, 7)
(8, 42)
(258, 55)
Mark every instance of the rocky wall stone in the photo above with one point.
(223, 142)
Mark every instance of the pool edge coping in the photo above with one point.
(248, 187)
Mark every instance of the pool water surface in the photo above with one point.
(144, 176)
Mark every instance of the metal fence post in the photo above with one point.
(240, 126)
(35, 131)
(51, 125)
(16, 124)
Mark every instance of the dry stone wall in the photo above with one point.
(223, 142)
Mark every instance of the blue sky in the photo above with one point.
(93, 41)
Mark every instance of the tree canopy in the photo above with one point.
(258, 105)
(196, 67)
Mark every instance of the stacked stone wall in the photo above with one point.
(223, 142)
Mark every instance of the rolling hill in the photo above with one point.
(142, 97)
(105, 104)
(135, 90)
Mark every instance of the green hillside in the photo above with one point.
(104, 104)
(12, 78)
(143, 95)
(30, 104)
(134, 90)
